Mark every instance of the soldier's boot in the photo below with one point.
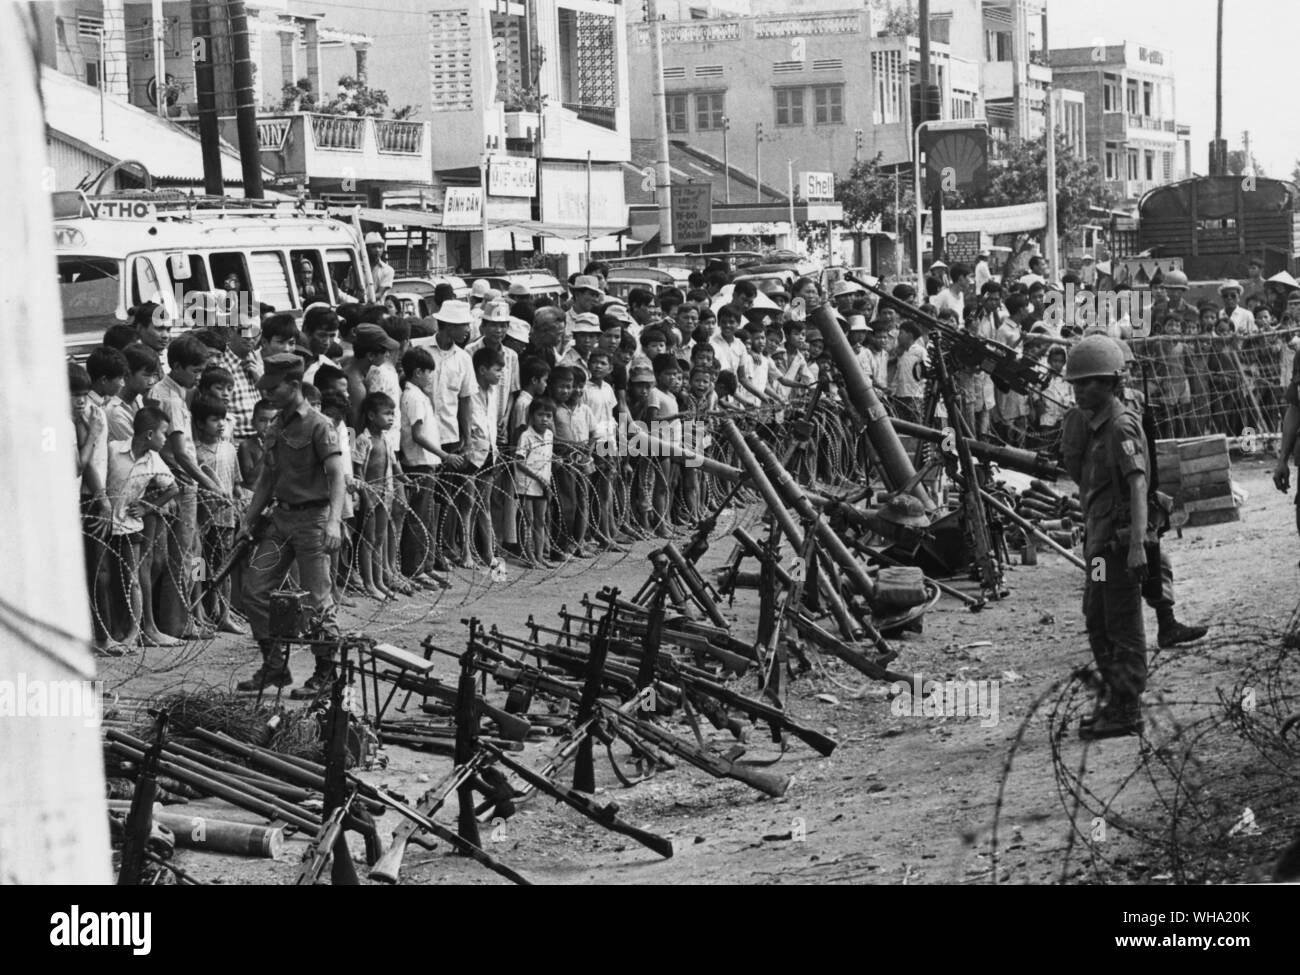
(1172, 633)
(274, 671)
(1117, 719)
(318, 683)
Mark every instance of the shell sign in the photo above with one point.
(955, 159)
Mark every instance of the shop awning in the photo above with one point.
(390, 217)
(537, 228)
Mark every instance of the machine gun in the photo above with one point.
(1011, 372)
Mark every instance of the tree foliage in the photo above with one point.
(1021, 177)
(867, 195)
(352, 98)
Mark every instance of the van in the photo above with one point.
(117, 251)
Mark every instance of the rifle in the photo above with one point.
(673, 679)
(139, 822)
(389, 867)
(1011, 372)
(512, 726)
(606, 815)
(244, 543)
(716, 765)
(326, 842)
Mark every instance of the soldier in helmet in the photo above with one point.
(1175, 303)
(1158, 590)
(1112, 476)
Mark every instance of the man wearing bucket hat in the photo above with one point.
(303, 474)
(1243, 322)
(380, 270)
(588, 296)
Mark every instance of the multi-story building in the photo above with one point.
(1130, 121)
(789, 88)
(144, 66)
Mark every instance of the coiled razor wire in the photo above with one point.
(1212, 793)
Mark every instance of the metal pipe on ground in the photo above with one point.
(894, 462)
(1030, 527)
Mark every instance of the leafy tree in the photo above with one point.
(867, 195)
(902, 22)
(352, 98)
(1021, 177)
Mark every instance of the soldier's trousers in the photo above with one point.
(1112, 610)
(1158, 590)
(294, 537)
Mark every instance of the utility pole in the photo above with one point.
(726, 160)
(789, 175)
(159, 57)
(587, 257)
(758, 162)
(663, 179)
(250, 153)
(205, 88)
(1049, 118)
(1218, 158)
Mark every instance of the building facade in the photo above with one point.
(1130, 114)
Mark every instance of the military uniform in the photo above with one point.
(296, 450)
(1114, 450)
(298, 443)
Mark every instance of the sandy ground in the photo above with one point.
(903, 799)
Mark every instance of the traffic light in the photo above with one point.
(859, 142)
(758, 130)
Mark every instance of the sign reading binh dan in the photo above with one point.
(692, 213)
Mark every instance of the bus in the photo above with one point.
(120, 250)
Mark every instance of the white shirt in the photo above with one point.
(602, 401)
(909, 379)
(755, 371)
(383, 379)
(453, 380)
(982, 275)
(946, 300)
(509, 379)
(535, 453)
(129, 477)
(1243, 322)
(483, 423)
(417, 410)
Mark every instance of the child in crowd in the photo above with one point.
(218, 514)
(533, 479)
(91, 429)
(534, 381)
(567, 472)
(668, 429)
(601, 400)
(139, 484)
(217, 383)
(374, 464)
(422, 455)
(336, 407)
(253, 449)
(1050, 406)
(482, 454)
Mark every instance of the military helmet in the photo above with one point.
(1092, 356)
(1174, 279)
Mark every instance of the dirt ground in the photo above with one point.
(903, 799)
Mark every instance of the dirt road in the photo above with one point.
(904, 798)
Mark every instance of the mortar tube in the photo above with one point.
(791, 530)
(894, 462)
(793, 496)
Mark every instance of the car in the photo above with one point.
(539, 283)
(656, 280)
(426, 285)
(410, 304)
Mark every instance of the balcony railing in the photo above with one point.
(310, 145)
(337, 131)
(601, 115)
(393, 135)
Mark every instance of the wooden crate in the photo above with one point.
(1197, 474)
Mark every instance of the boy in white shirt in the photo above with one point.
(533, 459)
